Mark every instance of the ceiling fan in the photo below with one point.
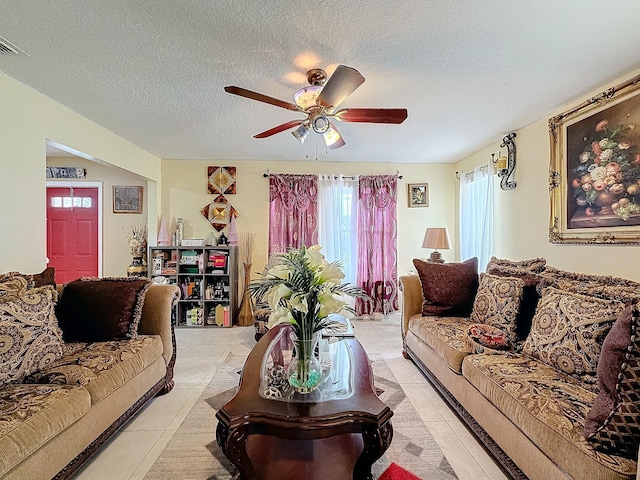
(319, 101)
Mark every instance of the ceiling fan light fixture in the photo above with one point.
(320, 123)
(301, 133)
(332, 138)
(306, 96)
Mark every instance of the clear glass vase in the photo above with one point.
(304, 370)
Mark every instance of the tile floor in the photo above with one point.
(131, 453)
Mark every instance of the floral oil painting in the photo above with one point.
(595, 170)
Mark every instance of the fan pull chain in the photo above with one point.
(316, 139)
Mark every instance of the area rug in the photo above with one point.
(396, 472)
(192, 453)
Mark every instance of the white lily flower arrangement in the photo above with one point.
(303, 289)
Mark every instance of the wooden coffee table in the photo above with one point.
(336, 432)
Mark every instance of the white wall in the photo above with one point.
(28, 120)
(522, 214)
(184, 194)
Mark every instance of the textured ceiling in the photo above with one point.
(467, 71)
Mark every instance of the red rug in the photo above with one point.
(396, 472)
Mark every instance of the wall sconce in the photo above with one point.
(506, 165)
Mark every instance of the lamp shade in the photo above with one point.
(437, 238)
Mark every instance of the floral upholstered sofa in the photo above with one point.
(76, 362)
(542, 364)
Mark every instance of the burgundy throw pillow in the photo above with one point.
(448, 289)
(35, 280)
(101, 309)
(44, 278)
(612, 423)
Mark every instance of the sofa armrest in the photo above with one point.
(412, 299)
(156, 315)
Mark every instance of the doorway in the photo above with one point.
(74, 229)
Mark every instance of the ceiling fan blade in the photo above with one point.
(372, 115)
(278, 129)
(332, 137)
(243, 92)
(340, 85)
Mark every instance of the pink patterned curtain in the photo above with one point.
(377, 244)
(293, 211)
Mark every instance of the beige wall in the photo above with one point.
(115, 252)
(522, 214)
(184, 194)
(28, 120)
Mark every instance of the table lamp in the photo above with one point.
(436, 238)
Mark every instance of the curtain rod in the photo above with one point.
(352, 177)
(459, 174)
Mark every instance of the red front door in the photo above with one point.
(72, 232)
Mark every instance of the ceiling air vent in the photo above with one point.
(8, 48)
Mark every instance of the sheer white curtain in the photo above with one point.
(338, 221)
(476, 215)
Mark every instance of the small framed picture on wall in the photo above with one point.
(127, 199)
(418, 194)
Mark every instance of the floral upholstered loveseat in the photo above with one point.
(559, 396)
(64, 392)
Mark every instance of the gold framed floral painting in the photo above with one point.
(594, 174)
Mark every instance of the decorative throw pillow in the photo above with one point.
(573, 280)
(620, 292)
(530, 295)
(29, 335)
(532, 265)
(12, 287)
(482, 337)
(612, 423)
(448, 289)
(568, 330)
(101, 309)
(497, 303)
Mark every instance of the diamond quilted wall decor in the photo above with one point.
(219, 212)
(221, 180)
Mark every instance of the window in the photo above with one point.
(476, 215)
(69, 202)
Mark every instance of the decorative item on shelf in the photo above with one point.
(222, 239)
(436, 238)
(506, 165)
(164, 239)
(179, 231)
(66, 172)
(303, 289)
(245, 311)
(233, 232)
(212, 239)
(137, 241)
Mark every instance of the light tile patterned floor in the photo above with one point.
(131, 453)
